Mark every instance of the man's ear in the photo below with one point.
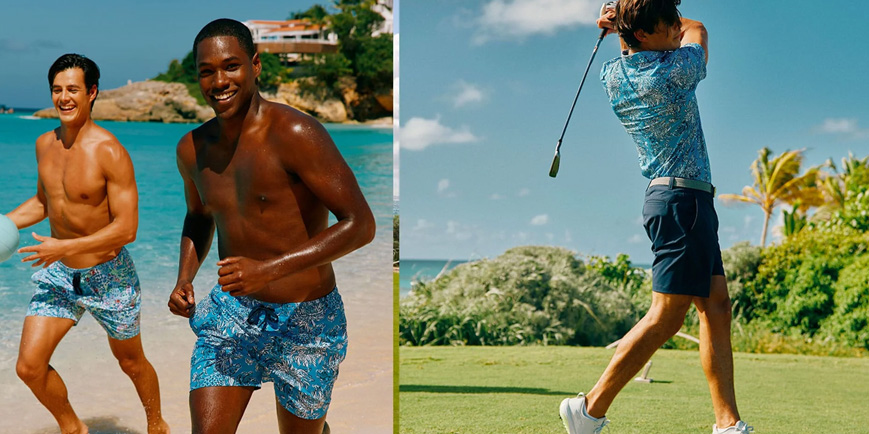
(257, 65)
(92, 93)
(641, 35)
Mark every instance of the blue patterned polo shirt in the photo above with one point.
(652, 93)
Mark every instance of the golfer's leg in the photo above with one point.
(292, 424)
(663, 320)
(132, 359)
(716, 355)
(38, 341)
(218, 410)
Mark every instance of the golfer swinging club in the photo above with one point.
(651, 89)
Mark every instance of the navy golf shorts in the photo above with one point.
(683, 227)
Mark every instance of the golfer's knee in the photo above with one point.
(667, 318)
(30, 371)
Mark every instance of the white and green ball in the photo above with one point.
(8, 238)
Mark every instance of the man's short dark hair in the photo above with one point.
(633, 15)
(227, 27)
(71, 60)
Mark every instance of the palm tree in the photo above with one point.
(776, 181)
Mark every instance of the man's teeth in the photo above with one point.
(223, 96)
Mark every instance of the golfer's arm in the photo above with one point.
(29, 213)
(694, 32)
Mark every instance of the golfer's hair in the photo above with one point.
(69, 61)
(633, 15)
(227, 27)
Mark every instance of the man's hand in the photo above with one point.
(242, 276)
(48, 252)
(181, 301)
(607, 18)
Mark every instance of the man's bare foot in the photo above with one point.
(80, 429)
(161, 427)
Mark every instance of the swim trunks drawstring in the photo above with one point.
(265, 318)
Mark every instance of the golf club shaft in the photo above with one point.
(585, 74)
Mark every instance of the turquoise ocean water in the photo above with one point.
(421, 270)
(367, 150)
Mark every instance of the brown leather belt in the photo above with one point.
(685, 183)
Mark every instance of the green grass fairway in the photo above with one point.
(518, 389)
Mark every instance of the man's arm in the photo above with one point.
(29, 213)
(323, 170)
(123, 203)
(196, 235)
(694, 32)
(35, 209)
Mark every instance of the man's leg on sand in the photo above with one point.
(132, 359)
(716, 354)
(218, 410)
(660, 323)
(292, 424)
(39, 339)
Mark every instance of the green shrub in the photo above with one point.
(527, 295)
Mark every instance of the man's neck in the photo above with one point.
(231, 128)
(70, 131)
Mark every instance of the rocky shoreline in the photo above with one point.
(157, 101)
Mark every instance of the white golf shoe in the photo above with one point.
(576, 418)
(740, 428)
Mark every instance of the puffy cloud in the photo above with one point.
(540, 220)
(420, 133)
(517, 19)
(467, 94)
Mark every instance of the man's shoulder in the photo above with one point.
(286, 123)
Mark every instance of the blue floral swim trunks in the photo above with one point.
(245, 342)
(109, 291)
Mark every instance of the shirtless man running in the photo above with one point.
(266, 177)
(87, 189)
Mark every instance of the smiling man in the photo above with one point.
(87, 190)
(265, 177)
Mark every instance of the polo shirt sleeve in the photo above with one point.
(689, 66)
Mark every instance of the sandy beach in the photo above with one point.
(105, 398)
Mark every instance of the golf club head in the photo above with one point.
(556, 162)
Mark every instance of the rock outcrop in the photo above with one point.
(157, 101)
(145, 101)
(324, 109)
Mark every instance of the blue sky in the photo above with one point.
(128, 40)
(486, 86)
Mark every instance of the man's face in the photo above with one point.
(227, 76)
(664, 38)
(70, 95)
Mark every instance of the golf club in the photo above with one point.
(556, 161)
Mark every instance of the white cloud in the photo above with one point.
(420, 133)
(746, 221)
(467, 93)
(496, 196)
(848, 127)
(568, 237)
(517, 19)
(443, 184)
(523, 192)
(423, 224)
(540, 220)
(636, 239)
